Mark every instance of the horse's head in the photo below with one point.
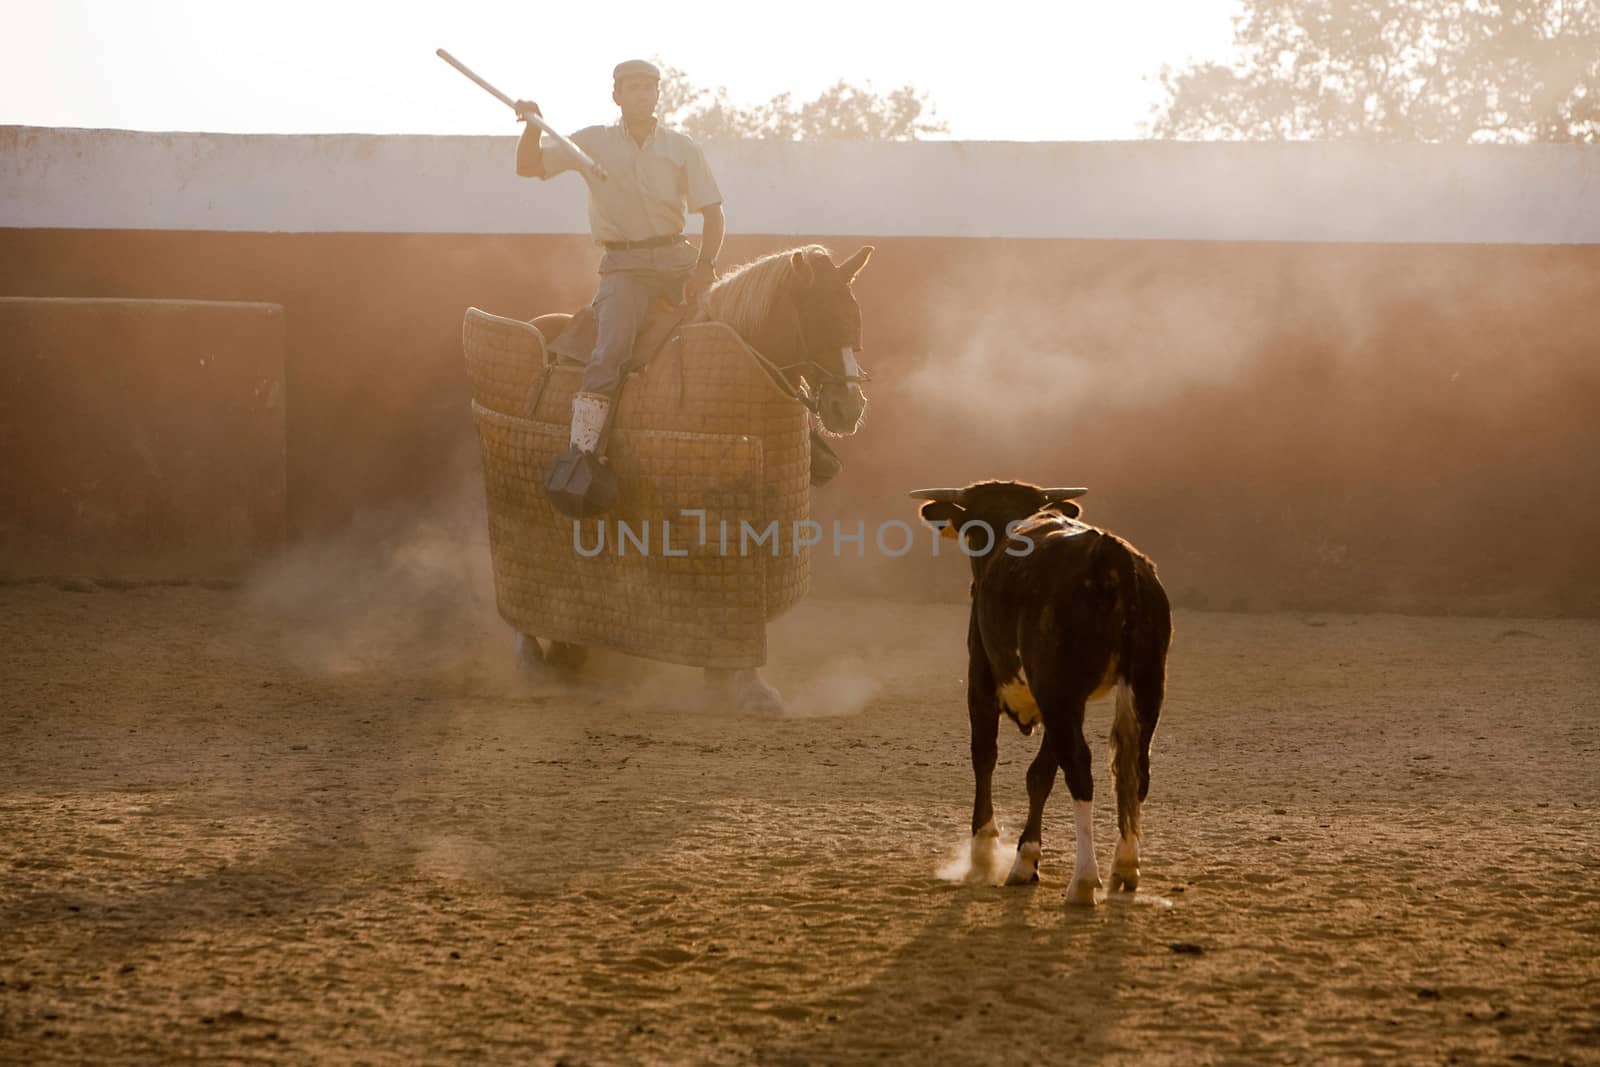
(829, 335)
(797, 310)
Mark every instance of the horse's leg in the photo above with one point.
(1041, 778)
(530, 657)
(537, 661)
(1064, 729)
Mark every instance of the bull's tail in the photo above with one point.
(1141, 687)
(1125, 752)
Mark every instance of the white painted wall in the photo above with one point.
(111, 179)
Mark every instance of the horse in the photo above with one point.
(795, 310)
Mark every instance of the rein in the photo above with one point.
(778, 374)
(827, 376)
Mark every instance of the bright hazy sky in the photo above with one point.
(1036, 71)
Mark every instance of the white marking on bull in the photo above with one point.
(1018, 699)
(852, 369)
(1085, 873)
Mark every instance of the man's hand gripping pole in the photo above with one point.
(583, 157)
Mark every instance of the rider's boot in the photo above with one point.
(589, 411)
(580, 484)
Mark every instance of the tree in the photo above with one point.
(1396, 70)
(843, 112)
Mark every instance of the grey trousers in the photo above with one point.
(620, 306)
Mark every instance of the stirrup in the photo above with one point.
(582, 485)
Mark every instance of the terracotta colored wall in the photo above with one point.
(140, 436)
(1356, 425)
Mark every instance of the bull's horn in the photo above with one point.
(1063, 494)
(940, 496)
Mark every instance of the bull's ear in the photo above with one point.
(953, 515)
(1067, 507)
(852, 266)
(801, 269)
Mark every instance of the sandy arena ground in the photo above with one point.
(233, 827)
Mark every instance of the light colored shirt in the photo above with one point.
(649, 189)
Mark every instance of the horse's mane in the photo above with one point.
(743, 297)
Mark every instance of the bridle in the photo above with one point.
(823, 374)
(826, 376)
(820, 376)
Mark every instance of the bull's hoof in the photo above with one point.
(984, 855)
(1025, 868)
(1124, 880)
(745, 690)
(1081, 892)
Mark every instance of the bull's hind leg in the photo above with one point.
(1041, 777)
(1072, 750)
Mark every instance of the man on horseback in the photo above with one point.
(654, 177)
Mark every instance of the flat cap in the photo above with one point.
(635, 68)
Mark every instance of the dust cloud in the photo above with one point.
(411, 593)
(409, 590)
(840, 687)
(979, 860)
(1281, 426)
(1007, 369)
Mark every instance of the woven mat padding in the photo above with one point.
(702, 427)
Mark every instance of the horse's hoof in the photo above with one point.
(759, 698)
(530, 658)
(745, 690)
(1025, 868)
(1081, 892)
(566, 657)
(1124, 881)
